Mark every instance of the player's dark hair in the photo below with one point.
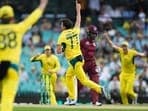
(67, 23)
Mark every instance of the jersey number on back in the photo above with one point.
(8, 40)
(73, 40)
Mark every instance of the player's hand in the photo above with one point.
(43, 1)
(78, 6)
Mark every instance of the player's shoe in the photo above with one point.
(106, 93)
(134, 101)
(67, 101)
(70, 102)
(98, 104)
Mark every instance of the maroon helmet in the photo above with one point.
(92, 31)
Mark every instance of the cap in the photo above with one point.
(6, 12)
(124, 43)
(92, 29)
(47, 47)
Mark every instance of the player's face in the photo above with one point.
(93, 36)
(125, 49)
(48, 52)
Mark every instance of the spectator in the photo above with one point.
(24, 77)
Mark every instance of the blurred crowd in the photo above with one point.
(123, 22)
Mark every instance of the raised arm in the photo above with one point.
(34, 16)
(109, 41)
(43, 4)
(78, 14)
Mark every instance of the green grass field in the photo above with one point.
(81, 108)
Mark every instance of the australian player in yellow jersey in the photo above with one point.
(69, 44)
(50, 65)
(11, 35)
(128, 68)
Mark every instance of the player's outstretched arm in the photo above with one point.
(109, 41)
(35, 58)
(141, 54)
(34, 16)
(78, 14)
(43, 4)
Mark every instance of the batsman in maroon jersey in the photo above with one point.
(88, 48)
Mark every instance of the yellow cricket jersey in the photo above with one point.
(11, 37)
(127, 61)
(70, 38)
(47, 63)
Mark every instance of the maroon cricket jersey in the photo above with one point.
(88, 48)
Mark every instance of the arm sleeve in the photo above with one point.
(31, 19)
(135, 53)
(77, 29)
(57, 65)
(35, 58)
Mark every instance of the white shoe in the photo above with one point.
(70, 102)
(98, 104)
(66, 102)
(134, 101)
(106, 93)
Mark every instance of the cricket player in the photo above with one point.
(50, 65)
(128, 69)
(69, 44)
(88, 48)
(11, 35)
